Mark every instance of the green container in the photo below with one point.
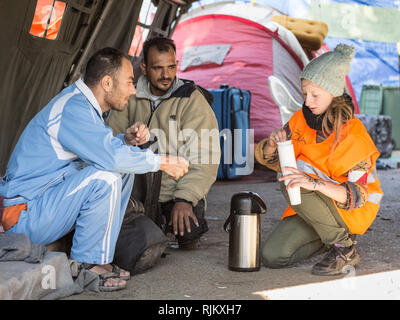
(391, 107)
(371, 99)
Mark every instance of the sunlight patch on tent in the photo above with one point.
(47, 19)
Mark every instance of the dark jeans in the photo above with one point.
(196, 232)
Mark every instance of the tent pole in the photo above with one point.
(49, 19)
(77, 70)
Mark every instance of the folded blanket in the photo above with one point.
(83, 280)
(70, 280)
(18, 247)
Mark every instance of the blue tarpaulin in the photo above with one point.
(374, 62)
(374, 3)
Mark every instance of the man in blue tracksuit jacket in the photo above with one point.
(68, 171)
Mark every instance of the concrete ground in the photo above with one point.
(203, 274)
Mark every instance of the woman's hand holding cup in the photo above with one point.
(277, 135)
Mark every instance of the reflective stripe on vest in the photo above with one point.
(373, 175)
(375, 197)
(308, 168)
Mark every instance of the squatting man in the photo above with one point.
(68, 171)
(180, 117)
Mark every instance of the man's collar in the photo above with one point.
(141, 88)
(89, 95)
(143, 91)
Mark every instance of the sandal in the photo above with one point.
(103, 277)
(117, 270)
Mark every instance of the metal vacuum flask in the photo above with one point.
(244, 227)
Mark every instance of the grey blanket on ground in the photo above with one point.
(19, 249)
(85, 281)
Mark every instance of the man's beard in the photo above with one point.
(162, 90)
(113, 105)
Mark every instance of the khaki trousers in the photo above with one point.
(317, 224)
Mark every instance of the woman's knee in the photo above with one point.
(274, 257)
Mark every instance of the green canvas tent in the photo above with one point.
(35, 68)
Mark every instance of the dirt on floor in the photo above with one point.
(203, 274)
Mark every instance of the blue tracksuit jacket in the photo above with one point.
(73, 174)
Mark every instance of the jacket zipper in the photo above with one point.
(151, 113)
(51, 183)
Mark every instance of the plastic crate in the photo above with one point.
(371, 99)
(391, 107)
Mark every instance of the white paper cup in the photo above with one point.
(288, 159)
(294, 196)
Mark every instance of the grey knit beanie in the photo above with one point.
(330, 69)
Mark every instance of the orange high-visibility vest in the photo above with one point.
(320, 161)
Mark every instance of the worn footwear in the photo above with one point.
(189, 245)
(117, 284)
(336, 261)
(150, 257)
(113, 268)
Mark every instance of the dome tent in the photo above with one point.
(237, 45)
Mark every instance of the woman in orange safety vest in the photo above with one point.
(340, 190)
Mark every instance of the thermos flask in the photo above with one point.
(244, 227)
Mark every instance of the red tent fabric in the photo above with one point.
(256, 53)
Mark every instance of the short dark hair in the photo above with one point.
(106, 61)
(162, 44)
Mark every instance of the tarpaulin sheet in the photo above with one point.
(374, 62)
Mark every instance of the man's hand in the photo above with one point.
(137, 134)
(174, 166)
(180, 214)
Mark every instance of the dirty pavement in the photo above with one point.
(204, 275)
